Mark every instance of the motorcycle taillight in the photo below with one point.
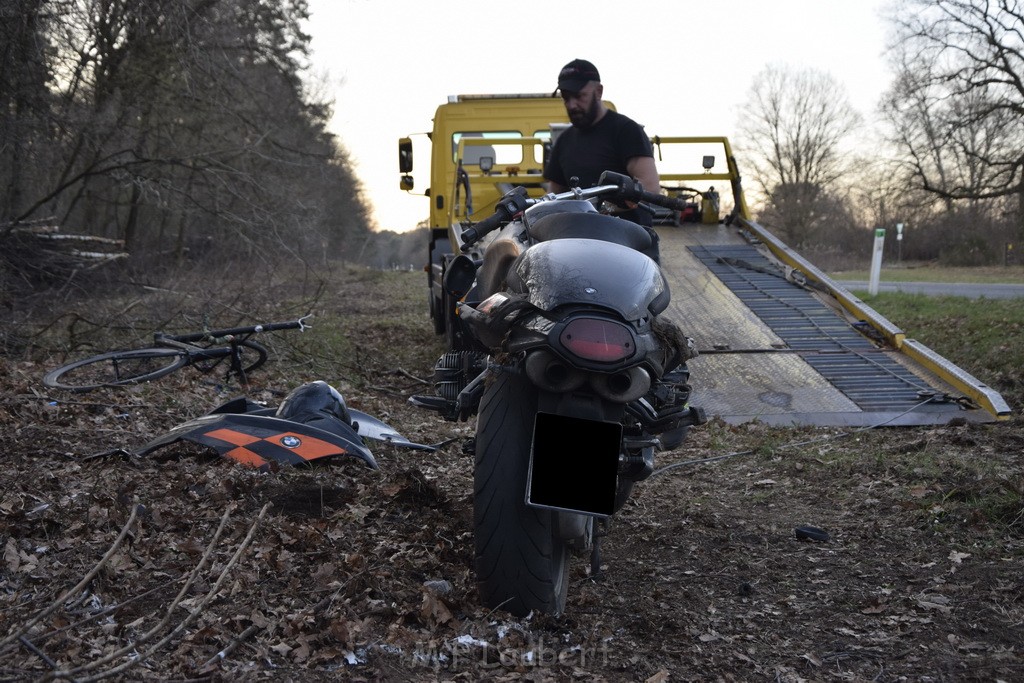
(598, 340)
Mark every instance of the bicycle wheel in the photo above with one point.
(116, 368)
(251, 355)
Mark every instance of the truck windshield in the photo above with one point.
(498, 152)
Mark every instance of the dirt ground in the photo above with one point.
(184, 566)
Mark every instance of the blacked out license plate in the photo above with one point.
(574, 464)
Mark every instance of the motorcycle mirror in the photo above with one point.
(459, 277)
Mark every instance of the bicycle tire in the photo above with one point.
(222, 354)
(116, 368)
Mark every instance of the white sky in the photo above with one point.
(678, 67)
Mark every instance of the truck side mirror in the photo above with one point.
(406, 183)
(486, 164)
(405, 155)
(709, 162)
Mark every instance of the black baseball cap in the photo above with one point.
(577, 74)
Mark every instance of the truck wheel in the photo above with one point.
(521, 563)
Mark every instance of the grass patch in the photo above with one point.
(928, 273)
(986, 340)
(378, 328)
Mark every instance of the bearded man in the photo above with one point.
(599, 140)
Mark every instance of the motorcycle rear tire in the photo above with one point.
(521, 563)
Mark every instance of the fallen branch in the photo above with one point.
(36, 651)
(167, 617)
(387, 390)
(79, 586)
(223, 654)
(194, 613)
(108, 610)
(411, 376)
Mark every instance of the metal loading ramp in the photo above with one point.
(777, 352)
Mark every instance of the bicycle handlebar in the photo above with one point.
(301, 325)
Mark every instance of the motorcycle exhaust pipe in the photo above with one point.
(622, 387)
(551, 373)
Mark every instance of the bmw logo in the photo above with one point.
(291, 441)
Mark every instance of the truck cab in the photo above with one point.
(481, 146)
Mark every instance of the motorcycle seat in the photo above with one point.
(538, 211)
(590, 225)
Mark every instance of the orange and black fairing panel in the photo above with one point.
(265, 442)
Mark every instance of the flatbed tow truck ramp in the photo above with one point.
(781, 349)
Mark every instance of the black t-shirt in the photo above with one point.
(586, 153)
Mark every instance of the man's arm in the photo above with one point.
(644, 170)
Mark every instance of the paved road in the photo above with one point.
(974, 291)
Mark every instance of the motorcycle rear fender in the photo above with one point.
(581, 404)
(587, 272)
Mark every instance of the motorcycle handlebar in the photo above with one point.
(512, 203)
(617, 184)
(471, 236)
(632, 191)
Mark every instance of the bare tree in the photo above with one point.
(183, 127)
(24, 97)
(793, 127)
(957, 105)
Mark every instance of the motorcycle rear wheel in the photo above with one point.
(521, 563)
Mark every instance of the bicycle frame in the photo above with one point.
(171, 352)
(217, 351)
(225, 336)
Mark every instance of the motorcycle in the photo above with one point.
(574, 377)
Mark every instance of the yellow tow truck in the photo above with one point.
(779, 341)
